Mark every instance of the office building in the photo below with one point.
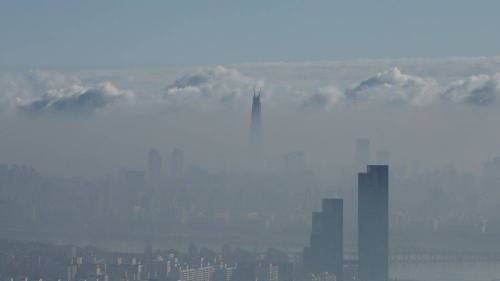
(373, 220)
(325, 253)
(203, 273)
(255, 138)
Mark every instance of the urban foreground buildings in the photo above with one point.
(325, 253)
(373, 219)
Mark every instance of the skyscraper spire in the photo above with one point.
(255, 138)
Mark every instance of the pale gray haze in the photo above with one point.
(89, 122)
(249, 140)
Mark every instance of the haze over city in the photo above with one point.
(232, 140)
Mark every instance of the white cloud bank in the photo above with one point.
(394, 87)
(479, 90)
(42, 92)
(216, 87)
(211, 87)
(75, 99)
(324, 98)
(219, 85)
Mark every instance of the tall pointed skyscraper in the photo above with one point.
(255, 138)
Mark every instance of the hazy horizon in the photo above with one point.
(140, 129)
(424, 110)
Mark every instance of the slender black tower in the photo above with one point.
(373, 220)
(255, 138)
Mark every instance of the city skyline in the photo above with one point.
(233, 140)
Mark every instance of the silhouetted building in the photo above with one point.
(373, 219)
(325, 253)
(154, 166)
(203, 273)
(177, 163)
(223, 273)
(273, 273)
(255, 138)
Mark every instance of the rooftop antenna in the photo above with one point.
(257, 94)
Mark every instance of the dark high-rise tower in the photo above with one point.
(255, 137)
(373, 220)
(325, 253)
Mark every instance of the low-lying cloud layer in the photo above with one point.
(223, 86)
(324, 98)
(209, 87)
(52, 92)
(425, 110)
(394, 87)
(74, 100)
(215, 87)
(480, 90)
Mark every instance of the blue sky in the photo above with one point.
(86, 34)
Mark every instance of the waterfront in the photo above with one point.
(465, 271)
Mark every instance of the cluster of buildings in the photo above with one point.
(324, 258)
(171, 272)
(167, 267)
(169, 197)
(26, 261)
